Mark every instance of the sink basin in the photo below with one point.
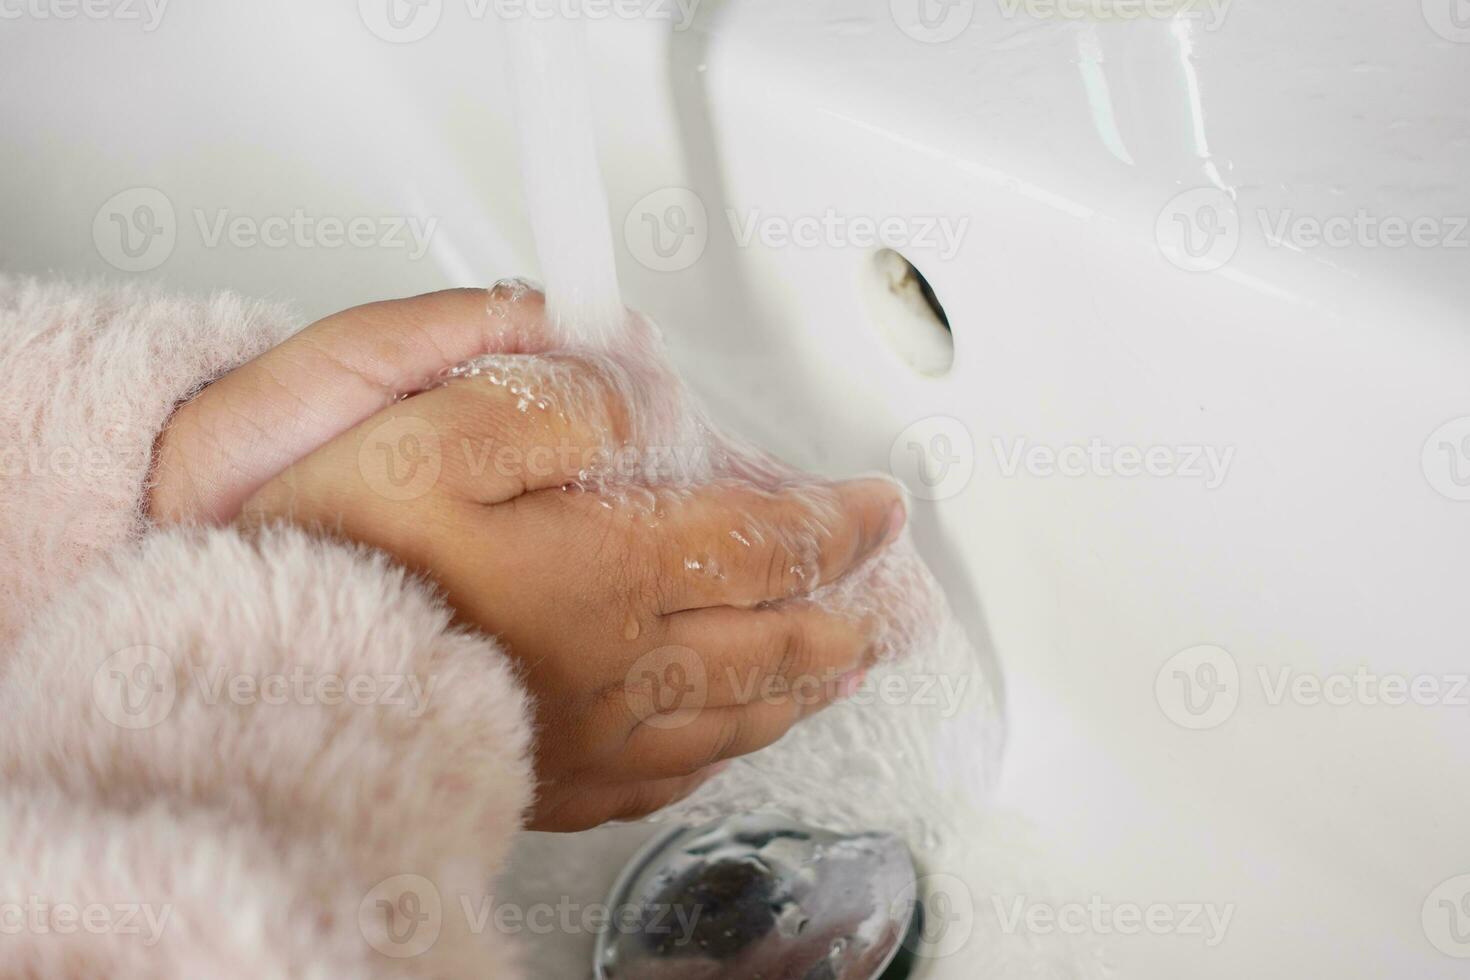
(1201, 459)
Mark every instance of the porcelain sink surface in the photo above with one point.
(1171, 230)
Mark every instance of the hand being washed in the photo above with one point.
(230, 438)
(647, 668)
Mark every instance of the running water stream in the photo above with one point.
(921, 767)
(548, 60)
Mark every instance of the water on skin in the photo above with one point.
(667, 447)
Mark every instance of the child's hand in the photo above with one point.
(615, 612)
(228, 440)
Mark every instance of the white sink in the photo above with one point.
(1088, 302)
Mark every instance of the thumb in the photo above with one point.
(243, 430)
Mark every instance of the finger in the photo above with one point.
(718, 735)
(783, 664)
(251, 424)
(591, 806)
(643, 798)
(736, 545)
(748, 654)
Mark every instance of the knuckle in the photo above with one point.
(783, 576)
(794, 654)
(729, 736)
(642, 799)
(799, 549)
(635, 802)
(649, 575)
(651, 564)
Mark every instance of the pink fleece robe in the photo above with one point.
(221, 756)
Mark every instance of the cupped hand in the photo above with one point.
(659, 633)
(224, 443)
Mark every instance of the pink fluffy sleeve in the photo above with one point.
(88, 377)
(223, 755)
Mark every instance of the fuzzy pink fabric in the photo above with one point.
(171, 804)
(90, 376)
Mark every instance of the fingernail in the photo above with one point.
(848, 684)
